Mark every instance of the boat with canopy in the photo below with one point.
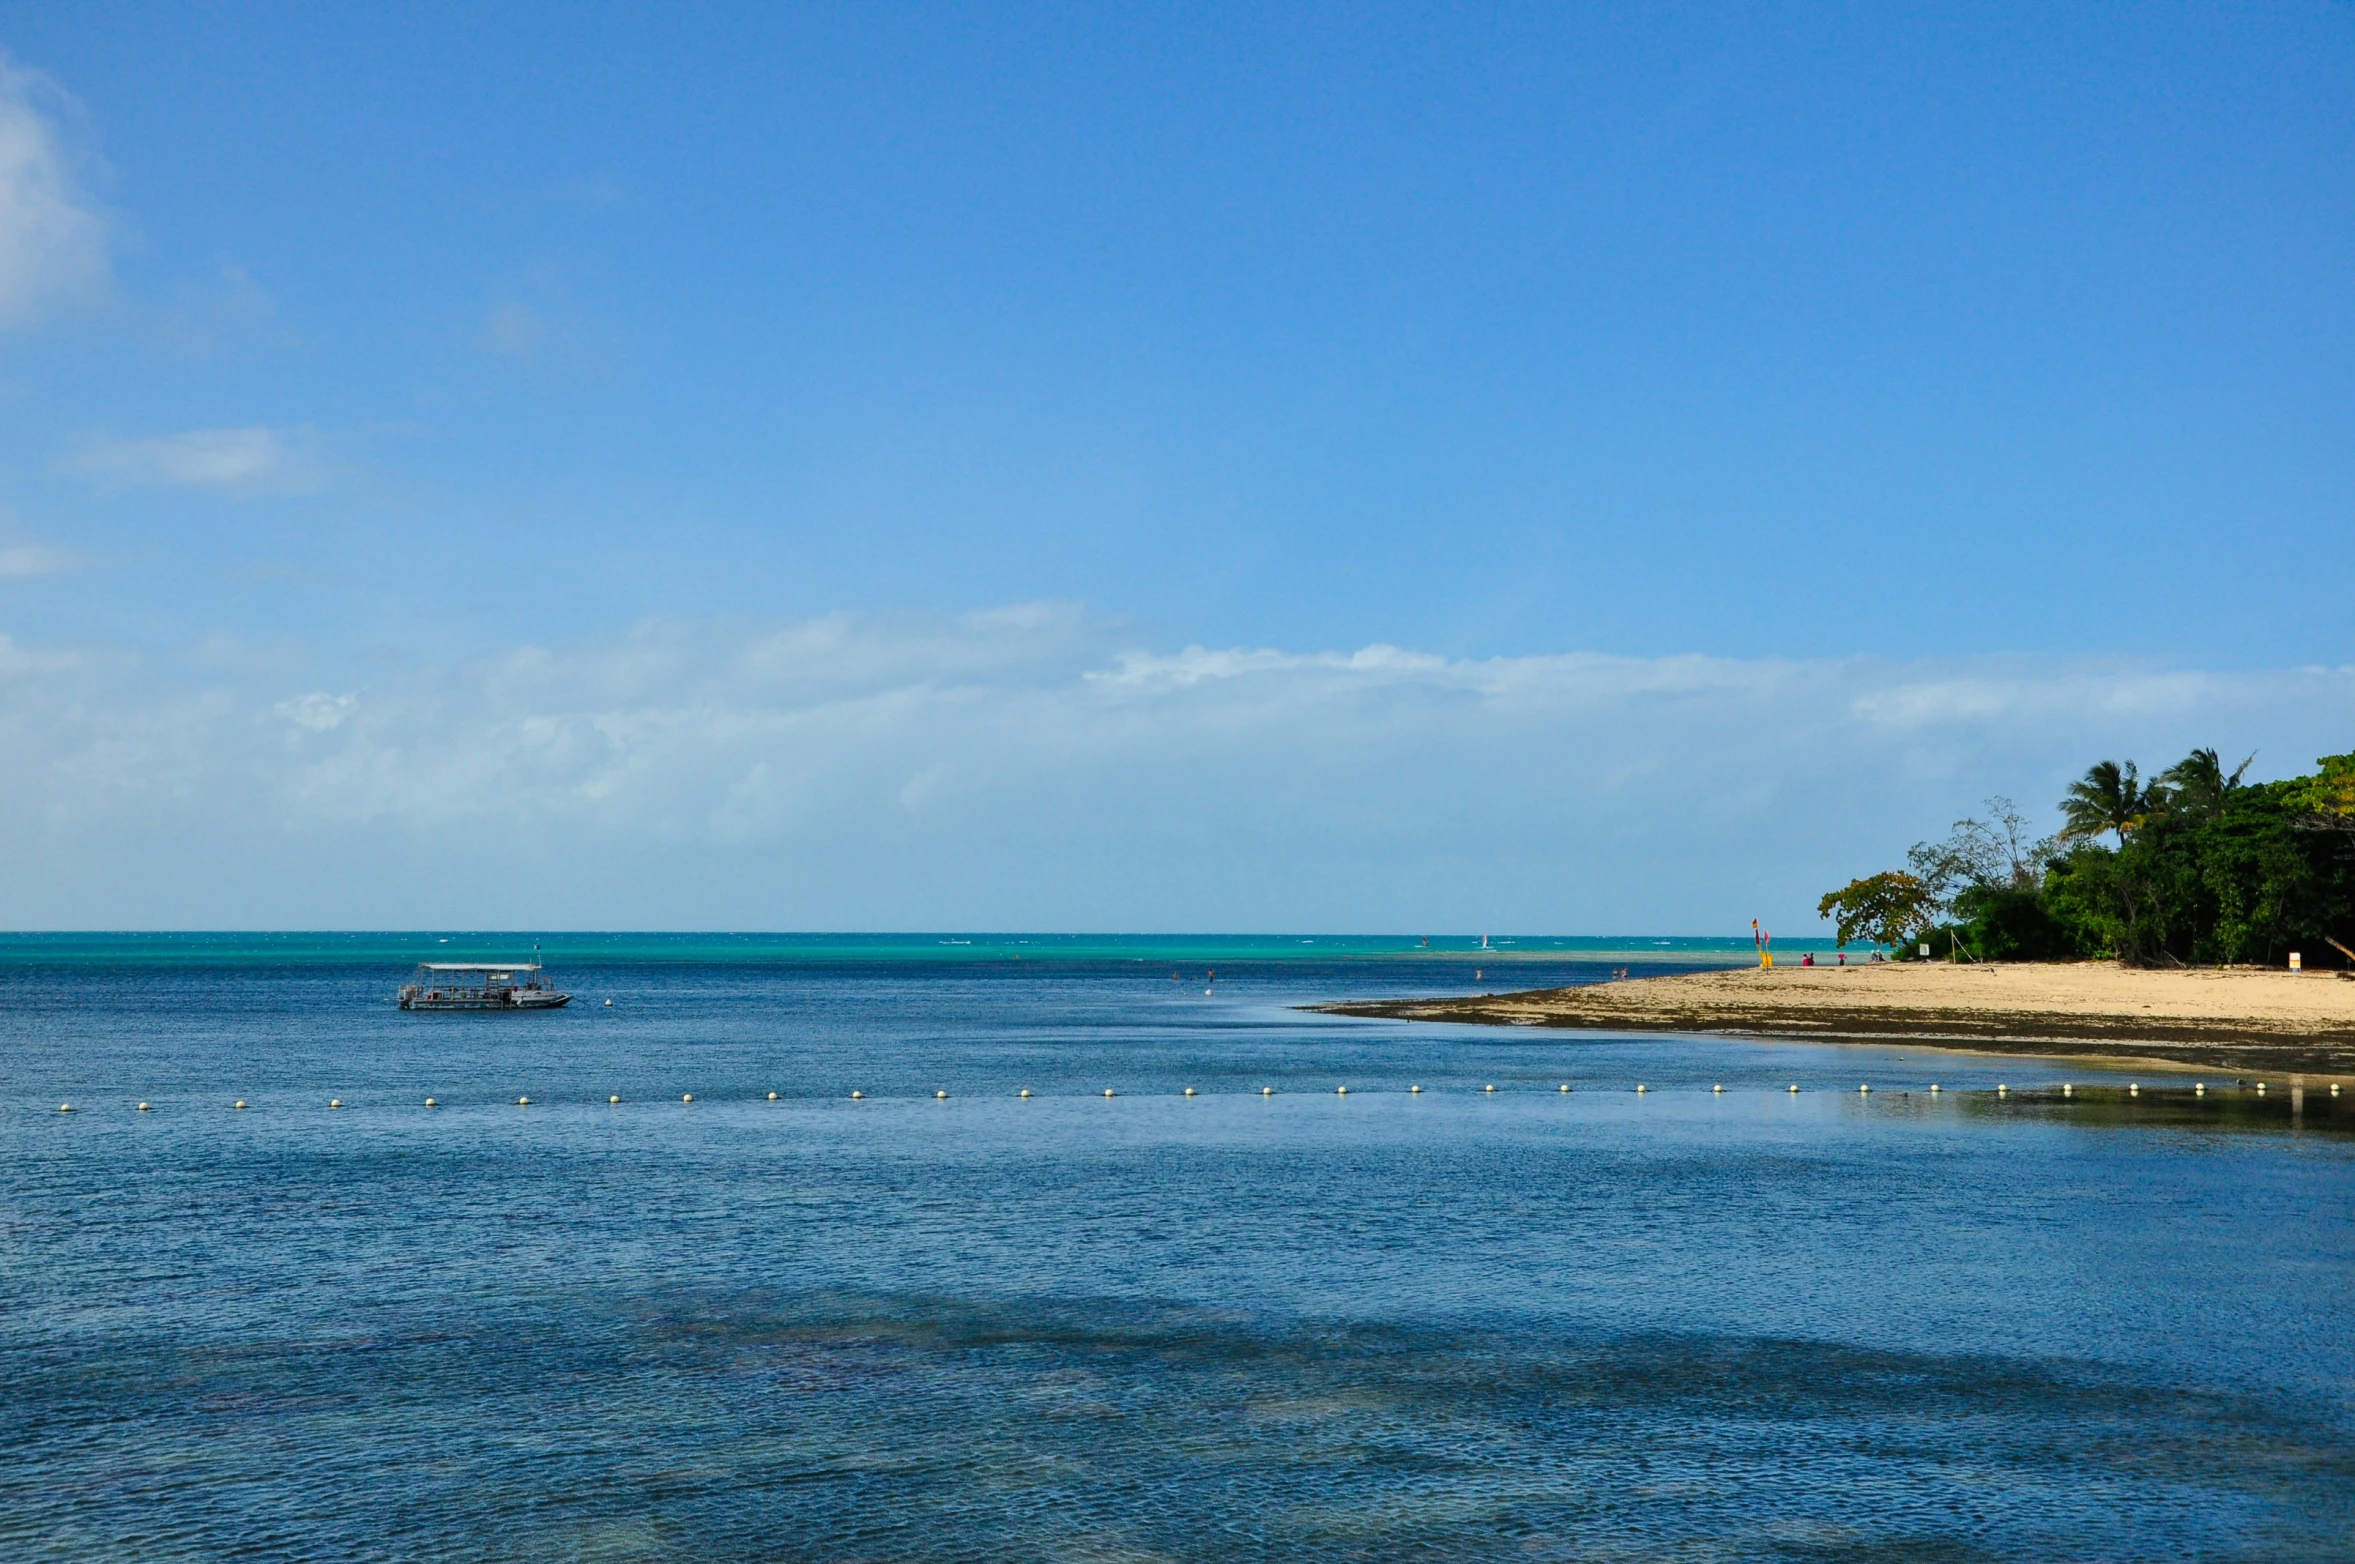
(476, 985)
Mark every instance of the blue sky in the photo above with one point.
(727, 369)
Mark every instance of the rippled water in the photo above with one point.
(1460, 1325)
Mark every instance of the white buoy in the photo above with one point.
(1794, 1088)
(143, 1108)
(1865, 1090)
(616, 1097)
(2134, 1088)
(1107, 1091)
(772, 1096)
(1641, 1088)
(609, 1004)
(429, 1102)
(1718, 1090)
(1565, 1086)
(2002, 1090)
(2199, 1088)
(1023, 1093)
(1340, 1091)
(2260, 1086)
(1267, 1091)
(2068, 1089)
(1933, 1088)
(1189, 1091)
(686, 1096)
(855, 1096)
(2334, 1088)
(1417, 1090)
(335, 1102)
(1491, 1086)
(240, 1102)
(939, 1096)
(65, 1107)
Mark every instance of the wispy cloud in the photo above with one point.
(514, 329)
(21, 557)
(248, 460)
(53, 242)
(1030, 769)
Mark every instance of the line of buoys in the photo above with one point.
(2068, 1089)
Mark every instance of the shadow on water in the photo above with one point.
(881, 1427)
(2227, 1106)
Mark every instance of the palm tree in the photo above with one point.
(2111, 798)
(2197, 784)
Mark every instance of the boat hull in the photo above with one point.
(507, 1001)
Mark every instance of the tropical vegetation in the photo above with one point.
(2194, 866)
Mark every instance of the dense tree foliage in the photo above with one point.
(2194, 866)
(1887, 909)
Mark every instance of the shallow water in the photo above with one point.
(1461, 1325)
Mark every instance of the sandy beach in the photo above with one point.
(2240, 1020)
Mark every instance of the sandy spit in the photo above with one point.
(2238, 1019)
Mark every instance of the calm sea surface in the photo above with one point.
(1599, 1325)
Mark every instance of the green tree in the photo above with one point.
(2198, 786)
(2110, 798)
(1887, 908)
(2327, 795)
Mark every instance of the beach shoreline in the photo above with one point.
(2207, 1019)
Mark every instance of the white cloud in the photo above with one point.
(229, 460)
(53, 243)
(321, 713)
(22, 557)
(514, 330)
(1027, 769)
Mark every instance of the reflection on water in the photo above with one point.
(1592, 1325)
(2227, 1104)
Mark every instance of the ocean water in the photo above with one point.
(1460, 1324)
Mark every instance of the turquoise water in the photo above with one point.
(368, 949)
(1459, 1324)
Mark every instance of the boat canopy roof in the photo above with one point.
(478, 966)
